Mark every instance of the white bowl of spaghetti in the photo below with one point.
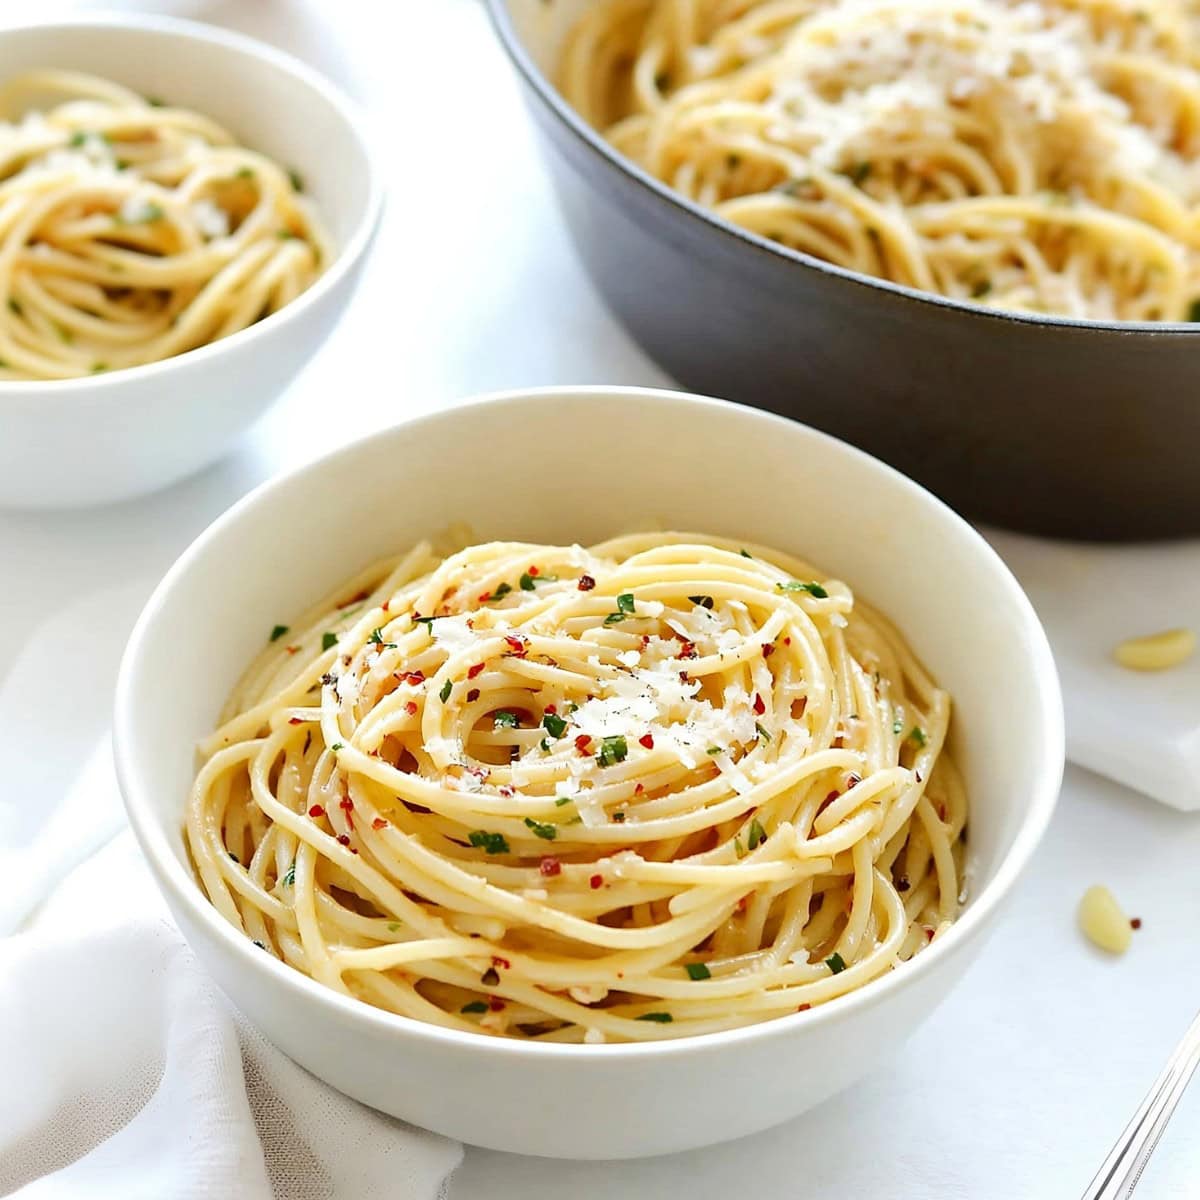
(598, 852)
(187, 212)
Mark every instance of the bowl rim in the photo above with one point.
(543, 87)
(97, 388)
(182, 890)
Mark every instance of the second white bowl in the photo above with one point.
(109, 437)
(580, 464)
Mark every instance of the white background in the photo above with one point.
(1019, 1083)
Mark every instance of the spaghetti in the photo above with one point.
(659, 787)
(131, 232)
(1035, 155)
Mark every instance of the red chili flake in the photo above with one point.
(415, 677)
(838, 742)
(346, 803)
(941, 812)
(688, 650)
(379, 823)
(1135, 922)
(741, 904)
(472, 695)
(768, 649)
(803, 1007)
(928, 934)
(387, 604)
(760, 706)
(586, 583)
(641, 787)
(353, 849)
(647, 740)
(295, 721)
(357, 598)
(583, 743)
(645, 640)
(787, 641)
(827, 802)
(683, 677)
(476, 670)
(534, 571)
(495, 1004)
(292, 649)
(317, 810)
(343, 839)
(596, 881)
(411, 708)
(485, 597)
(551, 708)
(507, 790)
(849, 902)
(852, 780)
(550, 866)
(502, 963)
(518, 645)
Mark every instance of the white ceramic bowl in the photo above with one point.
(581, 464)
(108, 437)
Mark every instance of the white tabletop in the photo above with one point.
(1019, 1083)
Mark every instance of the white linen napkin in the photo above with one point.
(1142, 730)
(130, 1077)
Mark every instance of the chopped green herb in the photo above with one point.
(795, 585)
(981, 287)
(393, 926)
(376, 639)
(619, 817)
(244, 173)
(756, 835)
(297, 179)
(745, 553)
(572, 707)
(98, 368)
(476, 1006)
(147, 215)
(559, 801)
(836, 963)
(444, 694)
(697, 971)
(64, 334)
(545, 745)
(738, 848)
(703, 601)
(663, 1018)
(493, 843)
(14, 306)
(897, 724)
(77, 139)
(278, 632)
(713, 751)
(503, 719)
(917, 734)
(289, 876)
(285, 235)
(554, 725)
(612, 751)
(542, 830)
(328, 640)
(527, 583)
(337, 746)
(762, 733)
(156, 102)
(501, 591)
(625, 602)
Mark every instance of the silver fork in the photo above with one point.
(1122, 1169)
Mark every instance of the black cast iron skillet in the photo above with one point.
(1070, 428)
